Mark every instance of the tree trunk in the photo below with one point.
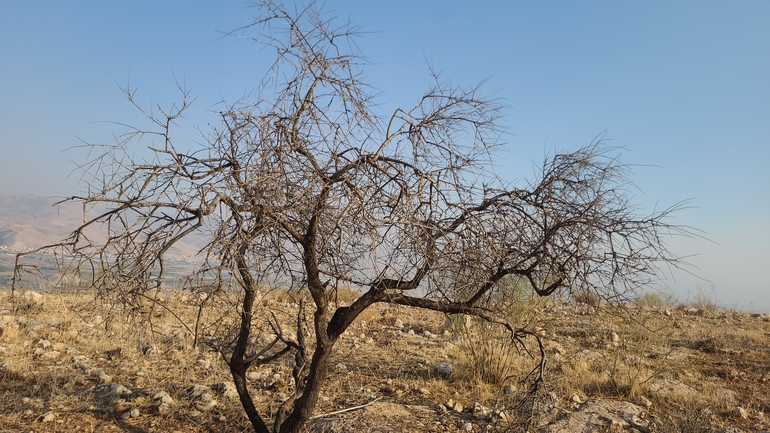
(237, 362)
(304, 406)
(238, 371)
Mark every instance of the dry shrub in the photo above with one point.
(705, 301)
(684, 417)
(656, 300)
(492, 354)
(588, 298)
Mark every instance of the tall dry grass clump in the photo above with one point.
(493, 355)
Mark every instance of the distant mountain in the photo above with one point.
(29, 222)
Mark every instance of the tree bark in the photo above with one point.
(306, 403)
(237, 362)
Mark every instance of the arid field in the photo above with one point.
(71, 363)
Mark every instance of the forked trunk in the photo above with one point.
(237, 361)
(305, 404)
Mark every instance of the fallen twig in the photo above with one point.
(350, 409)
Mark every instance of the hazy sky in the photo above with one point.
(683, 86)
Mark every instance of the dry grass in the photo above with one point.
(725, 357)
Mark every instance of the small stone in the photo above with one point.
(45, 344)
(32, 296)
(254, 375)
(163, 397)
(118, 389)
(423, 391)
(397, 323)
(454, 405)
(103, 377)
(500, 414)
(481, 412)
(643, 401)
(614, 337)
(740, 412)
(509, 389)
(207, 405)
(199, 392)
(164, 409)
(226, 389)
(444, 369)
(149, 350)
(559, 350)
(194, 414)
(33, 326)
(134, 412)
(50, 355)
(636, 422)
(575, 398)
(466, 427)
(666, 312)
(113, 354)
(48, 417)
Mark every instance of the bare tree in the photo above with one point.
(307, 186)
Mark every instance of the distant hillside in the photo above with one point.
(31, 222)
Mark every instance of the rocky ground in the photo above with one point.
(70, 364)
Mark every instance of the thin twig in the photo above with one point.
(350, 409)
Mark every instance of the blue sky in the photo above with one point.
(682, 86)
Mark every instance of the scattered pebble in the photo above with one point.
(444, 369)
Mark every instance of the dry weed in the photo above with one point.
(723, 357)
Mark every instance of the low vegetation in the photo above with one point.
(70, 363)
